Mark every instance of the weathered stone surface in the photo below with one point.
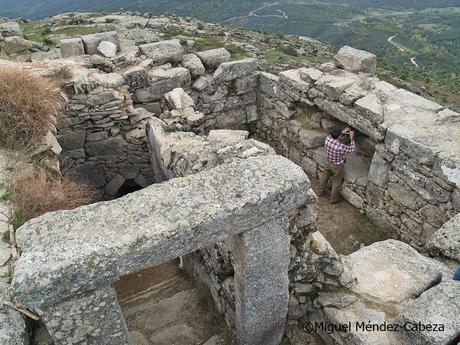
(310, 75)
(72, 140)
(404, 97)
(356, 169)
(114, 185)
(110, 147)
(200, 84)
(179, 99)
(378, 172)
(356, 60)
(136, 78)
(439, 305)
(268, 84)
(403, 196)
(392, 272)
(164, 51)
(16, 45)
(371, 107)
(213, 58)
(353, 312)
(92, 41)
(92, 318)
(334, 85)
(101, 98)
(13, 328)
(107, 49)
(403, 139)
(97, 136)
(293, 86)
(218, 339)
(51, 141)
(312, 139)
(261, 260)
(193, 64)
(456, 199)
(448, 116)
(446, 241)
(350, 116)
(8, 29)
(71, 47)
(213, 205)
(227, 136)
(109, 80)
(327, 67)
(170, 79)
(91, 173)
(235, 69)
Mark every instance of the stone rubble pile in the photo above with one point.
(14, 45)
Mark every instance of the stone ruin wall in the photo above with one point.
(400, 181)
(402, 175)
(314, 265)
(103, 132)
(292, 112)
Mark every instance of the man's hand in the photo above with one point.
(352, 135)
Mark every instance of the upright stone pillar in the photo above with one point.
(261, 262)
(93, 318)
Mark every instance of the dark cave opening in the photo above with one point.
(128, 187)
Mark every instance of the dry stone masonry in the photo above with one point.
(160, 223)
(200, 133)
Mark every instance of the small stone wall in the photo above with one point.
(103, 132)
(103, 137)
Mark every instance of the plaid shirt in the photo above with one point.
(336, 151)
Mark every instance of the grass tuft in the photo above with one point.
(36, 192)
(26, 103)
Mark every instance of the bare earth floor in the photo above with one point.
(345, 228)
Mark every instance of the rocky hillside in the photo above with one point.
(276, 52)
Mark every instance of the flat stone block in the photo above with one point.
(356, 60)
(92, 41)
(165, 220)
(92, 318)
(163, 52)
(71, 47)
(213, 58)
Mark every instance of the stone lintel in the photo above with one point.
(71, 252)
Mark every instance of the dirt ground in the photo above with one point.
(344, 226)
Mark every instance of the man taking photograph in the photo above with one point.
(336, 152)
